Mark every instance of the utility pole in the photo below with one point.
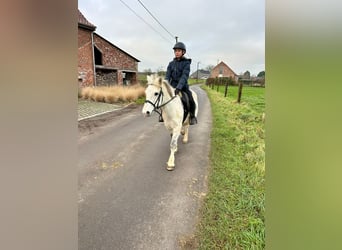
(197, 71)
(176, 39)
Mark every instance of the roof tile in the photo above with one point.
(84, 22)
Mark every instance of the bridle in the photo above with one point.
(156, 105)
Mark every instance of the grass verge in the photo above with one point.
(233, 212)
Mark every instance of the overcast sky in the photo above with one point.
(232, 31)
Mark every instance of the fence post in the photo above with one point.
(218, 84)
(240, 91)
(226, 90)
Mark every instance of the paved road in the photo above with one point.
(126, 197)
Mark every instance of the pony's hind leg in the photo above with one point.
(185, 133)
(173, 150)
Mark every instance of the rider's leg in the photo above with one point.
(193, 119)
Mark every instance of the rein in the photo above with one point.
(156, 106)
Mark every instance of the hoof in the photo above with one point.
(170, 168)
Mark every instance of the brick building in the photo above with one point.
(223, 70)
(99, 61)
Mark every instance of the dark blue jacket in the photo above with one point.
(178, 73)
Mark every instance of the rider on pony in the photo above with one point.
(177, 75)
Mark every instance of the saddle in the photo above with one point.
(186, 104)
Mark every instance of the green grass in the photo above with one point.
(192, 81)
(253, 96)
(233, 212)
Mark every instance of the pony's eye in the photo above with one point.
(156, 93)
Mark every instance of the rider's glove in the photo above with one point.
(177, 91)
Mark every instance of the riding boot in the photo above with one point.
(192, 107)
(193, 119)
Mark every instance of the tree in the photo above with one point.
(148, 71)
(261, 74)
(160, 71)
(247, 75)
(209, 67)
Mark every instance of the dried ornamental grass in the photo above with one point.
(85, 92)
(113, 94)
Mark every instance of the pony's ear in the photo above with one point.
(148, 78)
(160, 81)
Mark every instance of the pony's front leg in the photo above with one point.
(173, 150)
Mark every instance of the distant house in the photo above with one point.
(223, 70)
(99, 61)
(202, 74)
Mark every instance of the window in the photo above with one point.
(98, 56)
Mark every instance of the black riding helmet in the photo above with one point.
(180, 45)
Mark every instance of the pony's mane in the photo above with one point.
(159, 81)
(168, 87)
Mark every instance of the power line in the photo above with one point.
(156, 19)
(145, 21)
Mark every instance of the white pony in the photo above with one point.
(160, 98)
